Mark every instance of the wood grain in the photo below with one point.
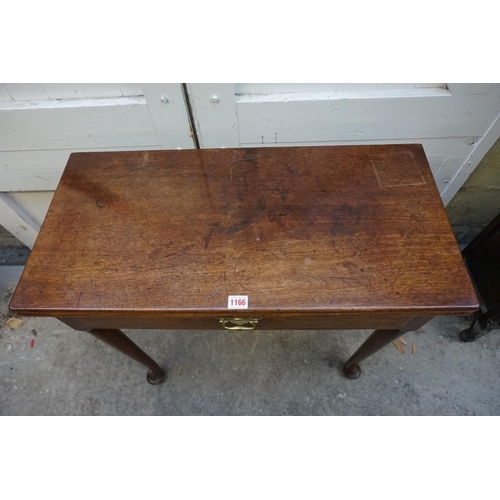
(304, 232)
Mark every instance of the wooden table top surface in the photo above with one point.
(299, 230)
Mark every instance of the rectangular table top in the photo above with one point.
(299, 230)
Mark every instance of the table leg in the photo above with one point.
(376, 341)
(478, 328)
(118, 340)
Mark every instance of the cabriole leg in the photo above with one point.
(376, 341)
(118, 340)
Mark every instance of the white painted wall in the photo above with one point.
(279, 88)
(53, 91)
(454, 122)
(34, 202)
(42, 124)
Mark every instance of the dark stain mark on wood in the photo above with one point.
(249, 155)
(275, 218)
(80, 183)
(290, 170)
(345, 220)
(210, 233)
(242, 224)
(282, 192)
(247, 221)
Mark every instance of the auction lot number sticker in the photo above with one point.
(237, 302)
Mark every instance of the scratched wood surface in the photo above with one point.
(347, 230)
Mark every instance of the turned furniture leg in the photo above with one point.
(118, 340)
(376, 341)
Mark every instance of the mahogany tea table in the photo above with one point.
(344, 237)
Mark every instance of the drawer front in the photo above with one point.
(332, 323)
(249, 323)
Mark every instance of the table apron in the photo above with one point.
(281, 323)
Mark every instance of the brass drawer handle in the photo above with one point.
(239, 323)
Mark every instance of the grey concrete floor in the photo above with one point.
(12, 251)
(246, 373)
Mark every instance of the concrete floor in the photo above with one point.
(12, 251)
(247, 373)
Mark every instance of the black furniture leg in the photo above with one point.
(478, 328)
